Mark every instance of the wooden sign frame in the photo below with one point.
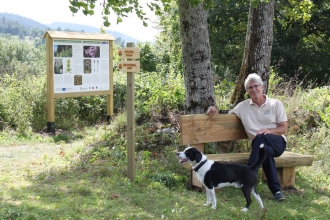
(51, 95)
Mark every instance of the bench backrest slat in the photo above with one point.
(199, 128)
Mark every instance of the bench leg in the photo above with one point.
(200, 147)
(286, 176)
(194, 182)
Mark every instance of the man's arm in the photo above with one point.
(282, 128)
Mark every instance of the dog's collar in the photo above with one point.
(200, 165)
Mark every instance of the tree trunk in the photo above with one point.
(196, 54)
(258, 47)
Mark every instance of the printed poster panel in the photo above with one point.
(81, 66)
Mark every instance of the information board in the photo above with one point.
(80, 65)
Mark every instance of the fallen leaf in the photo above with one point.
(114, 196)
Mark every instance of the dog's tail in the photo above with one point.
(261, 158)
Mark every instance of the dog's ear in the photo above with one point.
(198, 155)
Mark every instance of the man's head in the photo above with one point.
(253, 85)
(253, 77)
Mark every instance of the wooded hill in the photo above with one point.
(22, 27)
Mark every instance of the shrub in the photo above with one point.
(155, 91)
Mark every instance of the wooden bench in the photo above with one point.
(198, 129)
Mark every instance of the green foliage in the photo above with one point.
(300, 45)
(318, 101)
(295, 11)
(227, 29)
(168, 48)
(120, 8)
(148, 60)
(21, 83)
(301, 40)
(155, 91)
(170, 180)
(223, 90)
(14, 51)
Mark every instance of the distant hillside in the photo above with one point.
(28, 23)
(90, 29)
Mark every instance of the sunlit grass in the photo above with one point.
(57, 181)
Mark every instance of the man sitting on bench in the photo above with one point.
(265, 121)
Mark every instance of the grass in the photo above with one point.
(81, 176)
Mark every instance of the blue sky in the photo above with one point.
(48, 11)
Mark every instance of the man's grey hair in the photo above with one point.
(253, 77)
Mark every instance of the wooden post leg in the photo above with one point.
(289, 176)
(194, 181)
(200, 147)
(286, 176)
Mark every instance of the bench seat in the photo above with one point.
(287, 159)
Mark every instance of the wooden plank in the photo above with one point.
(129, 66)
(200, 128)
(131, 123)
(290, 159)
(129, 53)
(287, 159)
(80, 94)
(78, 35)
(50, 81)
(110, 96)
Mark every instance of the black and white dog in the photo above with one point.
(217, 175)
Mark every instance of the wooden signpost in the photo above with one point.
(129, 66)
(129, 53)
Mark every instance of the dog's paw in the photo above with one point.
(214, 207)
(206, 204)
(244, 210)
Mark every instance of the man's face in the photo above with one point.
(254, 89)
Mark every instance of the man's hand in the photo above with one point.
(212, 111)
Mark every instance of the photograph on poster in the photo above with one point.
(67, 64)
(77, 80)
(92, 51)
(87, 66)
(58, 66)
(62, 50)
